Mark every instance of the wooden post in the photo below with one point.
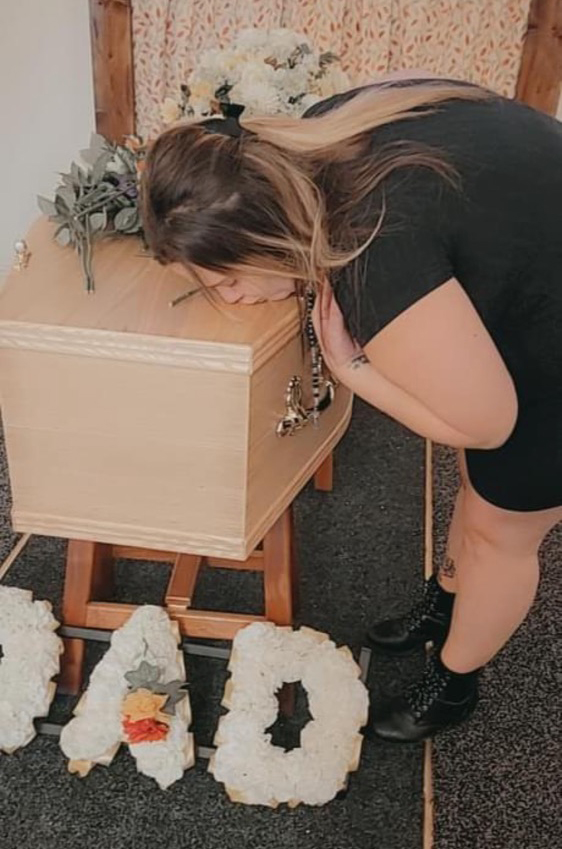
(182, 581)
(324, 475)
(540, 73)
(278, 571)
(89, 575)
(112, 59)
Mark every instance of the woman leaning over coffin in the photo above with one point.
(428, 232)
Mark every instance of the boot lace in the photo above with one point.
(421, 695)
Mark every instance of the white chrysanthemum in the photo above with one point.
(209, 66)
(292, 82)
(95, 733)
(253, 70)
(333, 81)
(259, 98)
(252, 769)
(250, 39)
(282, 42)
(201, 108)
(254, 73)
(31, 658)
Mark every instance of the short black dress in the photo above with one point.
(500, 236)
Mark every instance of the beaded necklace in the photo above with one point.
(315, 360)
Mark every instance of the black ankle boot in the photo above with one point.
(428, 620)
(439, 700)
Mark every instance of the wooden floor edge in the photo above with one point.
(428, 567)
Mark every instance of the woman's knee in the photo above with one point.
(519, 534)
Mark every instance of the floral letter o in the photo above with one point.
(254, 771)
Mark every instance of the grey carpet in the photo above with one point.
(361, 556)
(498, 779)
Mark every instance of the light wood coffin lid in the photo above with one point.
(46, 308)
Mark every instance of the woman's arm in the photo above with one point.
(434, 368)
(365, 381)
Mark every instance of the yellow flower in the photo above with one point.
(169, 111)
(143, 704)
(201, 90)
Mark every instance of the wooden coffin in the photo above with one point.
(133, 423)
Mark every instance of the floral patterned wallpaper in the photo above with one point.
(477, 40)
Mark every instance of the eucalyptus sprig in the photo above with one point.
(99, 199)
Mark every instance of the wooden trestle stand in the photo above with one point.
(89, 586)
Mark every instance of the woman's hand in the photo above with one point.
(340, 351)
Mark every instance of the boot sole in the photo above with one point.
(391, 652)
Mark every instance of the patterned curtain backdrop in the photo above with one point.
(477, 40)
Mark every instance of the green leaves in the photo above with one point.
(100, 166)
(126, 219)
(46, 206)
(147, 676)
(97, 145)
(144, 676)
(62, 236)
(96, 200)
(98, 221)
(67, 196)
(175, 690)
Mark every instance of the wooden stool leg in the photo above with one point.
(295, 583)
(324, 477)
(278, 577)
(89, 576)
(280, 587)
(182, 581)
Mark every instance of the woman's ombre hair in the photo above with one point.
(285, 196)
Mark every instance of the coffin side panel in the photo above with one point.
(280, 466)
(124, 452)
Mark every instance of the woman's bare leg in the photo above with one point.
(447, 572)
(497, 574)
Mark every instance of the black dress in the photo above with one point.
(500, 236)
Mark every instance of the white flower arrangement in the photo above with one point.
(31, 659)
(266, 71)
(96, 732)
(254, 771)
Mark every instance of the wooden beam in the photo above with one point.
(112, 60)
(540, 74)
(182, 581)
(204, 624)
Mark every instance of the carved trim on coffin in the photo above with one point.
(118, 533)
(131, 347)
(235, 548)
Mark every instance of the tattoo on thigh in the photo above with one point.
(448, 568)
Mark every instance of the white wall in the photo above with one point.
(46, 105)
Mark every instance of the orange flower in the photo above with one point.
(133, 143)
(144, 731)
(144, 704)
